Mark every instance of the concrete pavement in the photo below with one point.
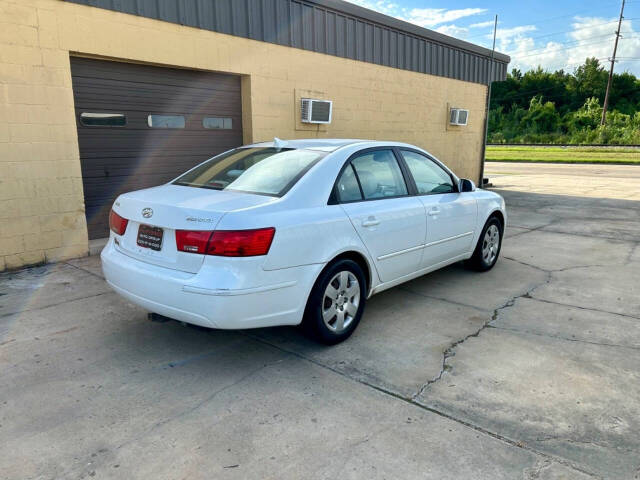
(528, 371)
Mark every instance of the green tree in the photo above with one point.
(540, 118)
(539, 106)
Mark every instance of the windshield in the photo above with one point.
(266, 171)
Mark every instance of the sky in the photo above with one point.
(554, 34)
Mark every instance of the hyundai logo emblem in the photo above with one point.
(147, 212)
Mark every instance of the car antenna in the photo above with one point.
(279, 144)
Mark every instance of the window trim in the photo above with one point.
(454, 180)
(334, 197)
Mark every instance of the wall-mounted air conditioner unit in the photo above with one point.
(458, 116)
(316, 111)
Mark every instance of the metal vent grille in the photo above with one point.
(306, 110)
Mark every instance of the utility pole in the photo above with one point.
(613, 62)
(486, 119)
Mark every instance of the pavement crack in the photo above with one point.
(84, 270)
(604, 445)
(450, 350)
(414, 402)
(590, 309)
(525, 264)
(529, 229)
(198, 405)
(631, 252)
(44, 307)
(555, 270)
(432, 297)
(534, 472)
(559, 337)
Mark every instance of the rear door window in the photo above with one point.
(379, 175)
(430, 177)
(348, 188)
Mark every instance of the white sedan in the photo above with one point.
(296, 232)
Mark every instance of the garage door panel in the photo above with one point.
(118, 159)
(137, 73)
(141, 138)
(130, 166)
(156, 103)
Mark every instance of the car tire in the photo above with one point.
(488, 248)
(336, 303)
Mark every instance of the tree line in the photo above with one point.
(565, 108)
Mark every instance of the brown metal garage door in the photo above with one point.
(140, 126)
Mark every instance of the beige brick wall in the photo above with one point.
(41, 198)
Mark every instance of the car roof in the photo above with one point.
(326, 144)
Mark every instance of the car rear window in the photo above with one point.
(265, 171)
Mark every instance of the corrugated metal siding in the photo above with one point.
(310, 26)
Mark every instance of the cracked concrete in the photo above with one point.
(528, 371)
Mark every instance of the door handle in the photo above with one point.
(370, 222)
(434, 211)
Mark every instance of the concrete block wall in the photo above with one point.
(41, 197)
(41, 200)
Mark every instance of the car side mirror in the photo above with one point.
(467, 185)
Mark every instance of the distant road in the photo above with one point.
(547, 145)
(595, 181)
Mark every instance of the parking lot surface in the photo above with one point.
(529, 371)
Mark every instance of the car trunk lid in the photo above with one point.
(155, 214)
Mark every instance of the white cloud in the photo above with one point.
(430, 17)
(425, 17)
(488, 23)
(382, 6)
(453, 30)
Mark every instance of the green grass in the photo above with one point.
(563, 155)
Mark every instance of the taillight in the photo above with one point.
(192, 242)
(117, 224)
(226, 243)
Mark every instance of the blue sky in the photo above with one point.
(553, 34)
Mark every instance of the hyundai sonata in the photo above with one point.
(296, 232)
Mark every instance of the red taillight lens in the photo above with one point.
(192, 242)
(117, 224)
(241, 243)
(226, 243)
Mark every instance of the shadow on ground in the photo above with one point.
(527, 371)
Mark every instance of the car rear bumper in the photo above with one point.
(268, 298)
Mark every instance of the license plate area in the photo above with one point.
(150, 237)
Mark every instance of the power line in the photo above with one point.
(557, 50)
(587, 27)
(540, 20)
(570, 42)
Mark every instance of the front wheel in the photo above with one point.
(336, 303)
(487, 250)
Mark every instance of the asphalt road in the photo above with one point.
(529, 371)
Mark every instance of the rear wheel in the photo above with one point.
(487, 250)
(336, 303)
